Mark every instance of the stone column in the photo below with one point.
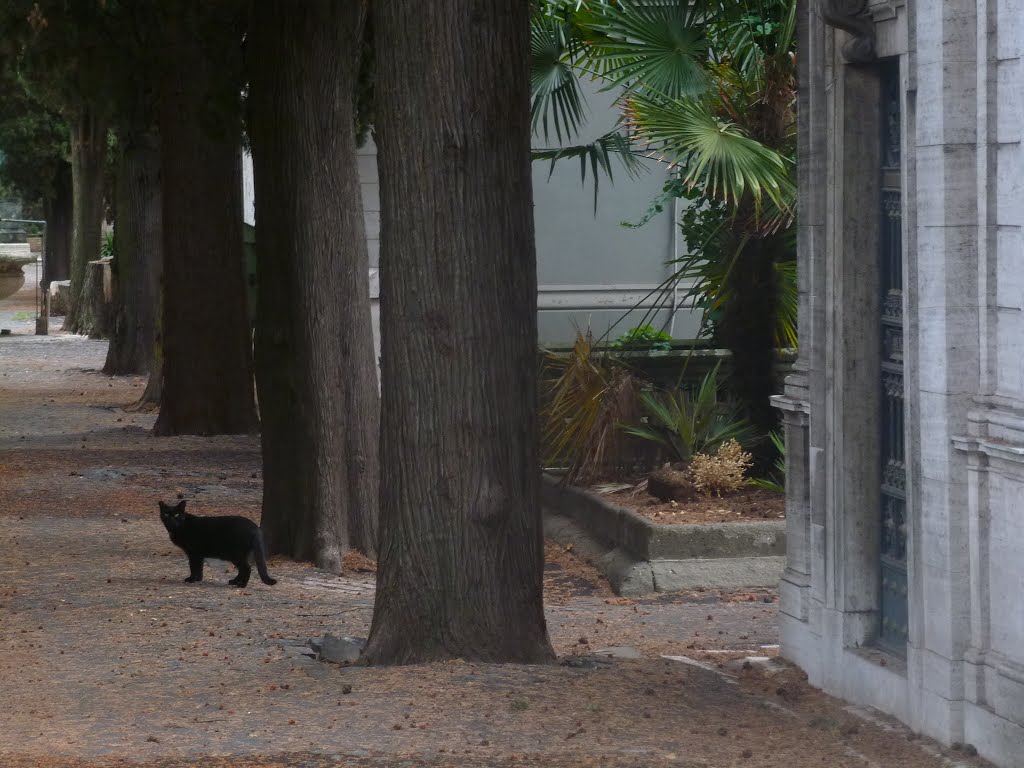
(943, 354)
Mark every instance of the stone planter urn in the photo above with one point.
(11, 275)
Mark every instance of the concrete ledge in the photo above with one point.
(724, 572)
(639, 557)
(628, 576)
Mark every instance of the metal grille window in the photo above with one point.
(893, 498)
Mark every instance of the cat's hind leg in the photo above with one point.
(195, 566)
(244, 570)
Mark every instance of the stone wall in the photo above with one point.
(962, 677)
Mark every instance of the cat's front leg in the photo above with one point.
(195, 566)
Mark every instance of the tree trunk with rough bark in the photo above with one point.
(461, 546)
(59, 208)
(96, 293)
(150, 399)
(315, 368)
(138, 248)
(207, 347)
(88, 158)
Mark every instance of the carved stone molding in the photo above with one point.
(852, 16)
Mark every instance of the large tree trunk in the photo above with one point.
(315, 368)
(461, 547)
(207, 348)
(88, 157)
(58, 213)
(138, 260)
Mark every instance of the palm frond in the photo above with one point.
(776, 481)
(556, 100)
(597, 156)
(714, 155)
(655, 47)
(789, 304)
(584, 404)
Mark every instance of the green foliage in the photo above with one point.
(713, 250)
(107, 246)
(776, 480)
(715, 155)
(644, 337)
(556, 99)
(64, 52)
(691, 423)
(33, 138)
(709, 86)
(651, 48)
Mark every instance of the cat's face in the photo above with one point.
(172, 515)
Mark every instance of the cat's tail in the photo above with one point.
(261, 559)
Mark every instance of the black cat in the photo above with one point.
(227, 537)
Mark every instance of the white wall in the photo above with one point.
(590, 269)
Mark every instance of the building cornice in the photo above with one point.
(852, 16)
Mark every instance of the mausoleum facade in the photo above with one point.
(904, 416)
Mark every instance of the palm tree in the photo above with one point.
(708, 86)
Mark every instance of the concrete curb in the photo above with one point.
(639, 557)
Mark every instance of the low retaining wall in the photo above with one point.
(640, 557)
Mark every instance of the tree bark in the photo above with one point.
(207, 349)
(88, 157)
(57, 259)
(461, 546)
(138, 248)
(96, 300)
(747, 330)
(315, 368)
(150, 398)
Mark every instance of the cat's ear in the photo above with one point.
(163, 507)
(180, 507)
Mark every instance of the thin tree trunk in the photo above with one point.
(315, 369)
(747, 329)
(88, 156)
(207, 348)
(461, 546)
(138, 260)
(57, 259)
(96, 298)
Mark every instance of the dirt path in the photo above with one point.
(107, 658)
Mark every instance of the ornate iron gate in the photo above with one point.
(893, 499)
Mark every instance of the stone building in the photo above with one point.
(904, 586)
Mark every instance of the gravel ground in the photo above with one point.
(108, 659)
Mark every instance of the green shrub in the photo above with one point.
(688, 423)
(644, 337)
